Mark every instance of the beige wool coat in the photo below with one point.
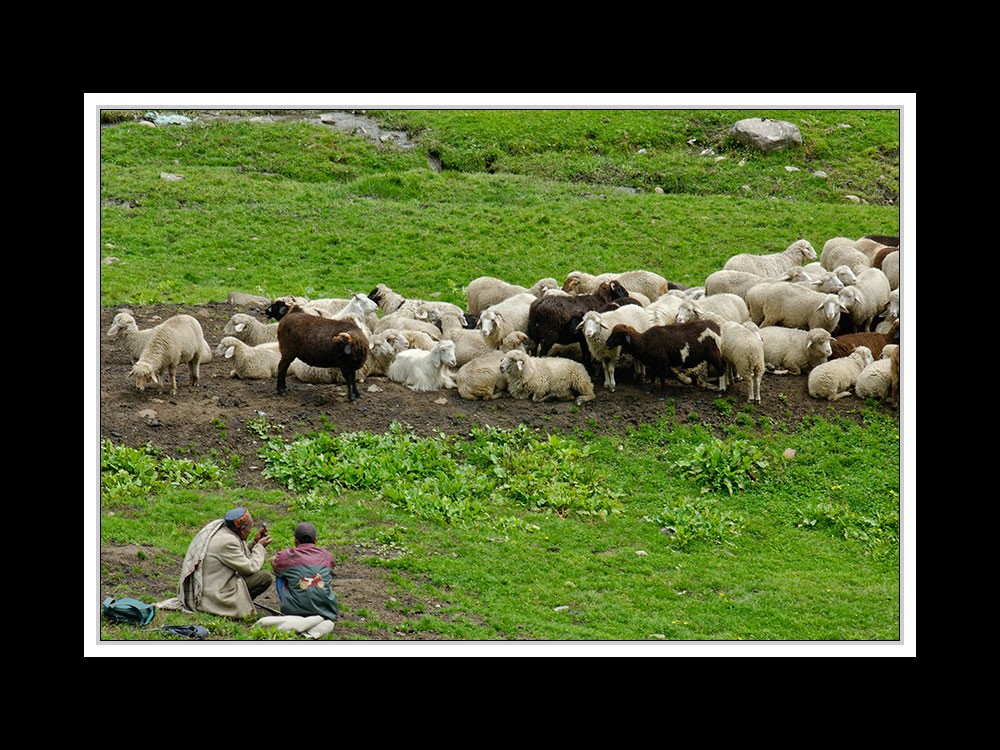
(213, 571)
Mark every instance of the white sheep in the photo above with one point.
(840, 251)
(743, 352)
(503, 318)
(846, 276)
(647, 283)
(890, 312)
(546, 377)
(890, 267)
(793, 350)
(469, 343)
(126, 331)
(875, 381)
(250, 331)
(250, 362)
(865, 299)
(833, 380)
(663, 310)
(728, 306)
(488, 290)
(421, 370)
(596, 327)
(176, 341)
(392, 302)
(793, 306)
(481, 378)
(775, 264)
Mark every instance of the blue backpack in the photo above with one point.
(128, 610)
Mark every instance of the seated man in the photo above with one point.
(221, 573)
(305, 576)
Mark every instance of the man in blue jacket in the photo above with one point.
(304, 576)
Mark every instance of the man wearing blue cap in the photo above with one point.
(222, 573)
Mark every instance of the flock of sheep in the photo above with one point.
(835, 317)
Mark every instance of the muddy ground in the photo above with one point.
(188, 423)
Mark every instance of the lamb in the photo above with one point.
(890, 314)
(890, 267)
(649, 284)
(793, 306)
(865, 299)
(880, 379)
(363, 309)
(497, 321)
(251, 331)
(321, 342)
(840, 251)
(469, 344)
(842, 346)
(176, 341)
(546, 377)
(481, 378)
(662, 348)
(775, 264)
(596, 326)
(728, 306)
(833, 380)
(125, 330)
(487, 290)
(793, 350)
(555, 319)
(421, 370)
(250, 362)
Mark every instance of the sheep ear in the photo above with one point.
(240, 327)
(229, 352)
(520, 365)
(628, 338)
(347, 348)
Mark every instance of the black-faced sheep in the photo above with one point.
(176, 341)
(554, 319)
(662, 348)
(321, 342)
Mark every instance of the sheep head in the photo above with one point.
(621, 335)
(863, 356)
(143, 374)
(277, 309)
(820, 339)
(804, 248)
(513, 360)
(344, 342)
(122, 321)
(591, 324)
(488, 321)
(572, 283)
(443, 353)
(611, 290)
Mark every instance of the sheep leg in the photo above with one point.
(173, 380)
(352, 385)
(282, 372)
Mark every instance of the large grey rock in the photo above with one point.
(766, 135)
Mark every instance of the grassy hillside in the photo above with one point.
(665, 532)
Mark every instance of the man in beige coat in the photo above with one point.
(221, 573)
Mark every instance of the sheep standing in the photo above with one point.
(840, 251)
(251, 331)
(321, 342)
(555, 319)
(773, 265)
(834, 379)
(663, 348)
(176, 341)
(541, 378)
(485, 291)
(742, 350)
(793, 306)
(498, 321)
(793, 350)
(596, 326)
(481, 378)
(865, 299)
(382, 347)
(250, 362)
(421, 370)
(126, 331)
(647, 283)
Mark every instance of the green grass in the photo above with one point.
(664, 532)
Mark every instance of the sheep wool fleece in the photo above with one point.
(215, 572)
(307, 574)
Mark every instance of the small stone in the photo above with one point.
(853, 198)
(820, 174)
(641, 552)
(658, 190)
(788, 453)
(170, 177)
(562, 608)
(441, 400)
(791, 169)
(660, 636)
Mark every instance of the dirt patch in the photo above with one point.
(214, 416)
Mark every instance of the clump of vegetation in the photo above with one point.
(720, 465)
(445, 477)
(696, 520)
(131, 473)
